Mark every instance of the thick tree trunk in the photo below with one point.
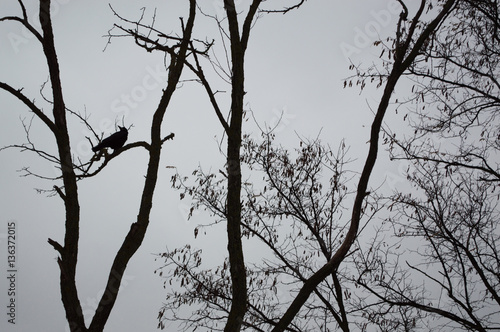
(69, 252)
(235, 247)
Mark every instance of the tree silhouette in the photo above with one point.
(72, 171)
(204, 286)
(432, 261)
(454, 172)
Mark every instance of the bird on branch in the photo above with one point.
(115, 141)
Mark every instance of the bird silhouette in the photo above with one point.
(115, 141)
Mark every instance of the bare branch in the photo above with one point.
(24, 21)
(31, 105)
(284, 10)
(56, 246)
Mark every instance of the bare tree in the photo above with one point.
(238, 33)
(456, 92)
(240, 295)
(57, 123)
(455, 225)
(297, 214)
(411, 36)
(453, 211)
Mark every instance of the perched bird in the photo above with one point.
(114, 141)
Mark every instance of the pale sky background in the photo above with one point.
(295, 64)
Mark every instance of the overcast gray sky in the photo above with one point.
(295, 66)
